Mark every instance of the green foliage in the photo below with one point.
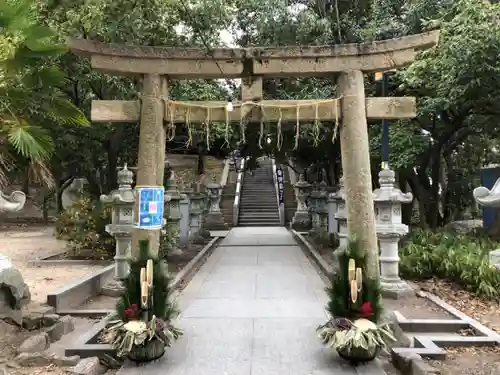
(168, 236)
(340, 304)
(324, 238)
(30, 91)
(162, 307)
(83, 226)
(462, 259)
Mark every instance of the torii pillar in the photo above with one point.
(151, 155)
(355, 151)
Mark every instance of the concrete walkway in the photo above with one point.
(252, 309)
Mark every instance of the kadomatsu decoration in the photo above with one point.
(144, 328)
(354, 330)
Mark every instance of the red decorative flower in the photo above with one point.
(365, 311)
(132, 312)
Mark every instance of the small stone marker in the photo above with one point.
(89, 366)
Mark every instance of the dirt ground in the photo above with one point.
(25, 244)
(472, 360)
(11, 338)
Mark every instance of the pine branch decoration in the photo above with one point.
(163, 308)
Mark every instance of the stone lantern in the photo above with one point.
(322, 206)
(388, 200)
(301, 219)
(122, 203)
(173, 212)
(333, 226)
(214, 219)
(313, 207)
(196, 208)
(341, 215)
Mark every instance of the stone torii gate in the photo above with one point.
(156, 65)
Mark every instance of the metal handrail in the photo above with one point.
(292, 176)
(281, 206)
(239, 183)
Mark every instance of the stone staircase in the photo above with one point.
(258, 206)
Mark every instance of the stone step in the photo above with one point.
(260, 224)
(258, 198)
(259, 194)
(259, 220)
(259, 207)
(258, 214)
(258, 184)
(258, 187)
(253, 205)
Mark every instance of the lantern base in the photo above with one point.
(215, 221)
(301, 221)
(395, 289)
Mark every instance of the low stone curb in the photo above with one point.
(74, 294)
(409, 360)
(431, 346)
(47, 261)
(325, 268)
(87, 346)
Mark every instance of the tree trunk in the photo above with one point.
(420, 196)
(406, 209)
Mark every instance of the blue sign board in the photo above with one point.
(149, 207)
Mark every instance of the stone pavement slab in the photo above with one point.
(251, 310)
(258, 236)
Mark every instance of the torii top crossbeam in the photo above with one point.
(296, 61)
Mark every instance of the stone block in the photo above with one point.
(64, 326)
(33, 359)
(66, 361)
(89, 366)
(403, 361)
(37, 320)
(35, 343)
(14, 293)
(69, 324)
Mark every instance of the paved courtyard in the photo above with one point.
(252, 309)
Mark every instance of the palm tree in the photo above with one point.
(31, 94)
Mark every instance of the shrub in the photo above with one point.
(83, 226)
(462, 259)
(168, 235)
(324, 239)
